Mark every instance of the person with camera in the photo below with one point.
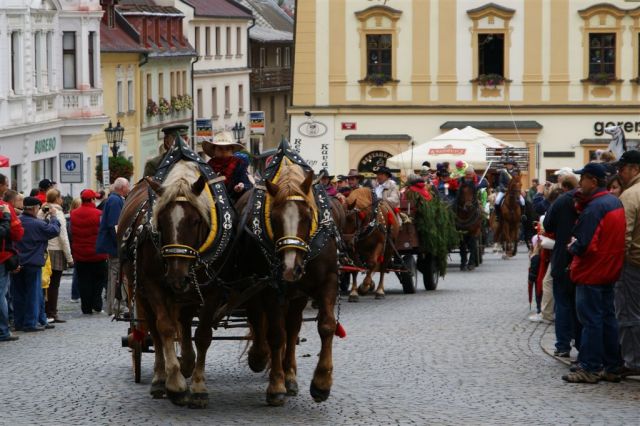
(59, 251)
(27, 285)
(10, 231)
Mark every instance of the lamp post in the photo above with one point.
(114, 137)
(238, 131)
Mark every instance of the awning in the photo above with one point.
(4, 161)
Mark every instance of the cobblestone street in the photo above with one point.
(464, 354)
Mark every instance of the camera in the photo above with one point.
(45, 209)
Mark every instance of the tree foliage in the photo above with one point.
(118, 167)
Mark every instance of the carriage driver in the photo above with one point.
(505, 177)
(170, 135)
(386, 188)
(325, 179)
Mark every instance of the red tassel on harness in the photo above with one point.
(340, 331)
(137, 335)
(381, 259)
(390, 219)
(396, 210)
(361, 215)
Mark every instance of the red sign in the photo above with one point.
(449, 149)
(349, 126)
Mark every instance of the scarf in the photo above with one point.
(419, 188)
(225, 167)
(582, 199)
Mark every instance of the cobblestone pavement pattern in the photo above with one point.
(464, 354)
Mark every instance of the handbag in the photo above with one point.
(547, 243)
(13, 262)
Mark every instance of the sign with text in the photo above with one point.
(204, 130)
(71, 170)
(349, 125)
(256, 122)
(314, 139)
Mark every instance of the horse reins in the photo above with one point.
(292, 241)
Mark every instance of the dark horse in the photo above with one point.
(369, 231)
(286, 254)
(159, 265)
(469, 219)
(509, 226)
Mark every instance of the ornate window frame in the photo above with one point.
(378, 15)
(600, 12)
(635, 42)
(490, 11)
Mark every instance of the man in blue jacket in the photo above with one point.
(106, 242)
(597, 246)
(28, 281)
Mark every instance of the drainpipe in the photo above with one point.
(253, 24)
(193, 108)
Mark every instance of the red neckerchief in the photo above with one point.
(225, 167)
(419, 188)
(582, 199)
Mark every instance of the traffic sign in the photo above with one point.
(71, 170)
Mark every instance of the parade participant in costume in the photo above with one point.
(460, 169)
(505, 177)
(341, 183)
(386, 188)
(446, 186)
(325, 180)
(470, 176)
(417, 185)
(224, 163)
(170, 135)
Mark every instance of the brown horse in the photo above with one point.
(275, 314)
(369, 231)
(159, 269)
(509, 225)
(469, 221)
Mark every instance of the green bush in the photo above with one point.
(118, 167)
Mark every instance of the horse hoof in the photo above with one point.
(199, 400)
(379, 296)
(353, 298)
(319, 395)
(257, 363)
(179, 398)
(275, 399)
(292, 387)
(362, 290)
(157, 390)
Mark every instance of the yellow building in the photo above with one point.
(546, 75)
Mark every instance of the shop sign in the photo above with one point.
(204, 130)
(45, 145)
(349, 125)
(257, 122)
(71, 167)
(313, 139)
(447, 150)
(371, 162)
(627, 126)
(312, 128)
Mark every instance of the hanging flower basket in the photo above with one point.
(187, 102)
(164, 106)
(490, 80)
(601, 78)
(152, 108)
(377, 79)
(176, 103)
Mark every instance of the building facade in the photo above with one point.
(50, 90)
(545, 75)
(218, 31)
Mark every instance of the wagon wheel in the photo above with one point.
(409, 279)
(431, 273)
(136, 358)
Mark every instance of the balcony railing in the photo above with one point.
(77, 103)
(266, 79)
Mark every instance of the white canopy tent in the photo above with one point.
(469, 145)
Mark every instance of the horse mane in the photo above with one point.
(289, 184)
(178, 184)
(362, 198)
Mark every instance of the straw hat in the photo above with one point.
(220, 139)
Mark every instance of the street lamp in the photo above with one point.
(114, 137)
(238, 131)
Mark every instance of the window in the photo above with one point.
(272, 109)
(263, 57)
(69, 59)
(172, 83)
(602, 54)
(214, 103)
(184, 82)
(130, 99)
(41, 169)
(50, 59)
(238, 41)
(227, 102)
(199, 102)
(36, 60)
(259, 104)
(278, 54)
(286, 105)
(160, 85)
(241, 98)
(120, 99)
(287, 57)
(92, 59)
(149, 87)
(218, 41)
(228, 41)
(379, 54)
(197, 40)
(491, 54)
(16, 78)
(207, 41)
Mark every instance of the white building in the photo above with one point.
(218, 30)
(50, 88)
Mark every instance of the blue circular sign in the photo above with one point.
(70, 165)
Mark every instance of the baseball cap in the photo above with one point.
(594, 169)
(88, 194)
(46, 184)
(31, 202)
(629, 157)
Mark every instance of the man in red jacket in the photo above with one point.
(597, 246)
(90, 266)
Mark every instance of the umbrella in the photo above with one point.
(4, 161)
(469, 145)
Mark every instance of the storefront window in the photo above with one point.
(41, 169)
(16, 181)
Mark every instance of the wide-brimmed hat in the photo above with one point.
(385, 171)
(324, 173)
(341, 178)
(354, 173)
(220, 139)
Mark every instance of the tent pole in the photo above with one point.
(412, 145)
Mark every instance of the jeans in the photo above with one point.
(4, 309)
(566, 323)
(92, 278)
(599, 346)
(28, 298)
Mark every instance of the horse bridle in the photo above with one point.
(179, 250)
(292, 241)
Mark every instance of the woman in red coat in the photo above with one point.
(90, 266)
